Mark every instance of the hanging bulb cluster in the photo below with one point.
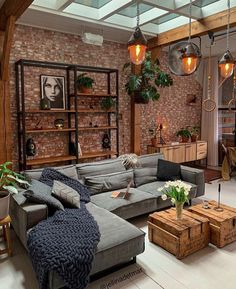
(137, 44)
(226, 63)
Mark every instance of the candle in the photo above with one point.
(219, 188)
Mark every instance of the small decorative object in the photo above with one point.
(85, 83)
(52, 92)
(143, 86)
(130, 161)
(59, 123)
(45, 104)
(184, 133)
(8, 181)
(178, 191)
(38, 126)
(30, 147)
(107, 103)
(194, 131)
(91, 124)
(106, 142)
(161, 138)
(218, 208)
(205, 204)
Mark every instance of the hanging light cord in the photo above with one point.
(190, 16)
(227, 39)
(209, 74)
(137, 13)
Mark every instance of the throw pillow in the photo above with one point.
(49, 175)
(68, 196)
(168, 171)
(144, 175)
(38, 198)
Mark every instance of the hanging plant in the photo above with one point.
(144, 85)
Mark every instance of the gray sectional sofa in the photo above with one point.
(120, 240)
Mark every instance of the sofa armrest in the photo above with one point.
(25, 217)
(194, 176)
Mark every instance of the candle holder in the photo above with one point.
(218, 208)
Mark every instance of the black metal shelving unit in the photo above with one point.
(73, 95)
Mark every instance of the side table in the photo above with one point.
(5, 224)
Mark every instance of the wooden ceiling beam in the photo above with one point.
(12, 8)
(212, 23)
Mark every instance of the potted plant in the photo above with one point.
(107, 103)
(144, 84)
(84, 83)
(8, 181)
(195, 130)
(184, 133)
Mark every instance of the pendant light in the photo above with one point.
(137, 43)
(226, 63)
(189, 54)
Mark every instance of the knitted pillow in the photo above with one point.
(49, 175)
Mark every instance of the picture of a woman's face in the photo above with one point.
(51, 89)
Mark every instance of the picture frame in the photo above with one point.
(52, 92)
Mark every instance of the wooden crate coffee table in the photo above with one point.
(222, 224)
(182, 237)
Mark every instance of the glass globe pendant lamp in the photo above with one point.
(137, 44)
(226, 63)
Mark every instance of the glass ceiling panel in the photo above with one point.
(203, 3)
(131, 11)
(165, 18)
(93, 3)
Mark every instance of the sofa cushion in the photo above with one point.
(153, 187)
(104, 183)
(144, 175)
(138, 203)
(65, 194)
(168, 171)
(151, 160)
(99, 168)
(69, 170)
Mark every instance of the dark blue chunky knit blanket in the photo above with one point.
(66, 243)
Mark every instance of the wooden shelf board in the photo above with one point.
(94, 95)
(94, 111)
(97, 154)
(49, 111)
(97, 128)
(48, 160)
(50, 130)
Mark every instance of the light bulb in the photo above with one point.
(226, 69)
(137, 53)
(189, 64)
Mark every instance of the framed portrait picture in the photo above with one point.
(52, 90)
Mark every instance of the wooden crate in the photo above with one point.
(182, 237)
(222, 224)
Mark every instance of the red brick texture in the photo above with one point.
(38, 44)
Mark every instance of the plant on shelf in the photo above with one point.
(144, 85)
(194, 131)
(84, 83)
(8, 181)
(108, 103)
(184, 133)
(178, 191)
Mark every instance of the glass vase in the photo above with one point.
(179, 210)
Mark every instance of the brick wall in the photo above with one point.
(38, 44)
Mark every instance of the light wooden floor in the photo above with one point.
(210, 268)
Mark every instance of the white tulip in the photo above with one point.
(164, 197)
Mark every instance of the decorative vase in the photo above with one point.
(194, 138)
(179, 210)
(4, 204)
(184, 139)
(138, 98)
(86, 90)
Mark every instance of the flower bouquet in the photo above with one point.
(178, 191)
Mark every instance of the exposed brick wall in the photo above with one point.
(38, 44)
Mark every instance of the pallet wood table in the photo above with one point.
(182, 237)
(222, 224)
(5, 224)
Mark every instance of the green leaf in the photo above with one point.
(11, 189)
(126, 65)
(163, 80)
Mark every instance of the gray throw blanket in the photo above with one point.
(65, 243)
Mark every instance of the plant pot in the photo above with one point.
(84, 89)
(184, 139)
(194, 138)
(179, 210)
(138, 98)
(154, 141)
(4, 204)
